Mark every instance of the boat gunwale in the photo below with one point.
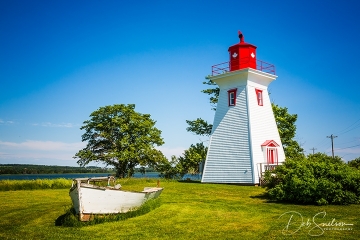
(120, 190)
(95, 187)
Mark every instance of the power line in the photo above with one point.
(349, 147)
(347, 128)
(345, 155)
(322, 143)
(346, 143)
(332, 143)
(351, 129)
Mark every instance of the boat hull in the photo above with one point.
(91, 200)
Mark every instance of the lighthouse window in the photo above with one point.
(232, 97)
(259, 97)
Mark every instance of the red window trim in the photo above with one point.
(229, 94)
(259, 97)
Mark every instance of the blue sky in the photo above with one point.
(61, 60)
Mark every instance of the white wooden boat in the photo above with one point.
(90, 199)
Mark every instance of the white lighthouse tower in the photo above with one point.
(245, 140)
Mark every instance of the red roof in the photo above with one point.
(270, 143)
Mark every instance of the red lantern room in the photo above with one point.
(242, 55)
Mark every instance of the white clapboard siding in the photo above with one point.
(229, 152)
(262, 126)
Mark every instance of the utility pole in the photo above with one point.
(332, 143)
(313, 149)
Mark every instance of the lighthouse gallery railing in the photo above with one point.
(260, 65)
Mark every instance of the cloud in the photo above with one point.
(25, 156)
(49, 124)
(3, 154)
(32, 149)
(6, 122)
(168, 152)
(43, 145)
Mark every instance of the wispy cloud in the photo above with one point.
(6, 122)
(42, 145)
(3, 154)
(59, 125)
(32, 149)
(350, 150)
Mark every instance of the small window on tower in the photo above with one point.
(259, 97)
(232, 97)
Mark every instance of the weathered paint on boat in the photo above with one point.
(89, 199)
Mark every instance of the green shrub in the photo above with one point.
(317, 179)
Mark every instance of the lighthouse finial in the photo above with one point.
(241, 36)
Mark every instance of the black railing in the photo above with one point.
(225, 67)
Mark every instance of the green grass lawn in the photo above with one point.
(187, 211)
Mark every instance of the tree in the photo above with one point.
(212, 92)
(287, 129)
(189, 162)
(118, 136)
(199, 127)
(169, 169)
(355, 163)
(284, 120)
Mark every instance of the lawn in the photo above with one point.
(187, 211)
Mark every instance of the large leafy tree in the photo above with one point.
(284, 120)
(118, 136)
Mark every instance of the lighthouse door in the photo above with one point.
(272, 156)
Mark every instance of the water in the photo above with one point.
(82, 175)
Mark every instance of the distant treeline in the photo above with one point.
(44, 169)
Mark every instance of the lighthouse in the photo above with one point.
(244, 139)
